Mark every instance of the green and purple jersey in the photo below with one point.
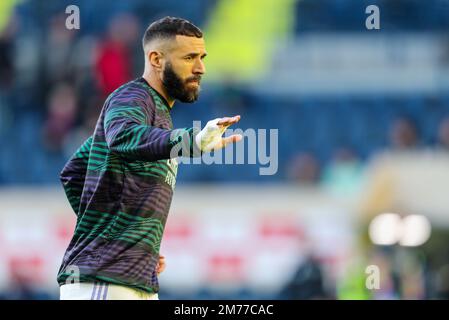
(120, 184)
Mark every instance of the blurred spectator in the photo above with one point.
(443, 282)
(443, 134)
(22, 289)
(24, 279)
(88, 122)
(67, 58)
(232, 97)
(403, 134)
(61, 115)
(114, 57)
(411, 275)
(351, 285)
(389, 286)
(343, 174)
(6, 74)
(304, 168)
(6, 53)
(307, 283)
(59, 51)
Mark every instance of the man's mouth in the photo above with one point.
(197, 82)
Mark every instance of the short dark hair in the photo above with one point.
(170, 27)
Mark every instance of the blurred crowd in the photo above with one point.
(345, 169)
(53, 83)
(54, 80)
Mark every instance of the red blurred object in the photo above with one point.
(225, 268)
(279, 227)
(26, 269)
(113, 66)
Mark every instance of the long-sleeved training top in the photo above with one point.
(120, 184)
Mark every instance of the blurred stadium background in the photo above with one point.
(363, 120)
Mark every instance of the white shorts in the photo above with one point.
(102, 291)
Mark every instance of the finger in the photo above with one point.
(227, 121)
(231, 139)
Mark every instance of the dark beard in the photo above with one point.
(176, 87)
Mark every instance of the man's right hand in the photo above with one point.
(210, 138)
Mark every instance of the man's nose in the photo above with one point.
(199, 67)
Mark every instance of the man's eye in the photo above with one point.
(189, 58)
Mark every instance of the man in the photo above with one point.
(120, 181)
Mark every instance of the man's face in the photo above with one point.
(184, 68)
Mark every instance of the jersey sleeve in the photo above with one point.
(73, 174)
(128, 133)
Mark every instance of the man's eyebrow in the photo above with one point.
(195, 54)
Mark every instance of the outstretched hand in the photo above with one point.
(210, 138)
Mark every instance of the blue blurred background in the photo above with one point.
(363, 120)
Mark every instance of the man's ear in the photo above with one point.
(155, 58)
